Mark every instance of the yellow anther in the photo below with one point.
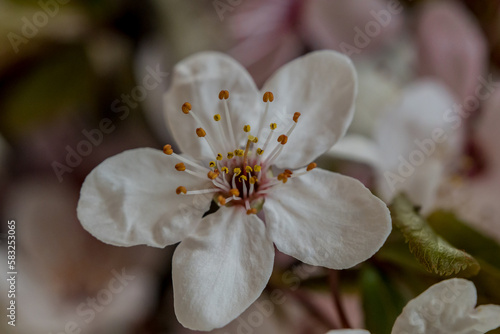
(234, 192)
(311, 166)
(219, 156)
(200, 132)
(239, 152)
(212, 164)
(217, 117)
(223, 95)
(221, 200)
(243, 178)
(296, 117)
(253, 139)
(268, 96)
(186, 107)
(246, 128)
(281, 176)
(237, 171)
(248, 169)
(253, 179)
(180, 167)
(167, 149)
(230, 155)
(213, 175)
(283, 139)
(252, 211)
(273, 126)
(260, 151)
(257, 168)
(225, 169)
(180, 190)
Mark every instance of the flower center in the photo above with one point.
(241, 175)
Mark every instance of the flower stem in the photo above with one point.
(335, 289)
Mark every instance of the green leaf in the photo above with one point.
(431, 251)
(382, 302)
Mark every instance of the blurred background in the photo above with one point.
(81, 81)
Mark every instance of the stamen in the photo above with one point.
(257, 168)
(239, 152)
(186, 107)
(235, 192)
(219, 157)
(180, 167)
(203, 191)
(267, 97)
(225, 170)
(243, 178)
(237, 171)
(252, 211)
(283, 139)
(200, 132)
(260, 151)
(273, 127)
(224, 95)
(230, 155)
(180, 190)
(311, 166)
(212, 164)
(217, 117)
(167, 149)
(296, 117)
(213, 175)
(222, 200)
(248, 169)
(246, 128)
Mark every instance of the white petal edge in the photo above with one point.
(130, 199)
(446, 307)
(221, 269)
(198, 80)
(322, 86)
(326, 219)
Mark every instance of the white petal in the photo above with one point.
(321, 86)
(198, 80)
(356, 148)
(349, 331)
(446, 307)
(418, 129)
(219, 271)
(326, 219)
(130, 199)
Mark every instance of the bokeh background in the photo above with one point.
(67, 66)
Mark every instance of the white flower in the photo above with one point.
(226, 258)
(447, 307)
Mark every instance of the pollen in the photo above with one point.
(219, 157)
(248, 169)
(221, 200)
(186, 107)
(260, 151)
(252, 211)
(225, 169)
(212, 164)
(246, 128)
(243, 178)
(213, 175)
(230, 155)
(223, 95)
(200, 132)
(239, 152)
(167, 149)
(234, 192)
(268, 97)
(217, 117)
(273, 126)
(180, 167)
(296, 117)
(257, 168)
(283, 139)
(311, 166)
(253, 179)
(180, 190)
(237, 171)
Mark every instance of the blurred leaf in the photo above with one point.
(463, 236)
(432, 251)
(382, 302)
(62, 83)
